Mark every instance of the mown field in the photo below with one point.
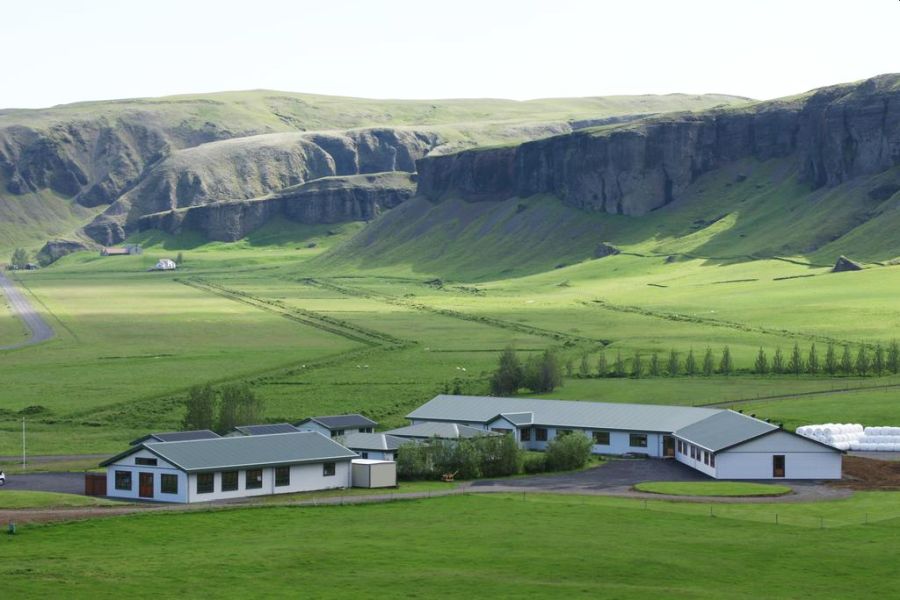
(262, 310)
(464, 546)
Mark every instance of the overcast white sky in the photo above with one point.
(59, 51)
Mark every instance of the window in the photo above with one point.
(601, 438)
(337, 433)
(637, 440)
(253, 479)
(328, 469)
(206, 483)
(712, 460)
(168, 484)
(364, 455)
(525, 434)
(705, 457)
(229, 481)
(365, 430)
(140, 460)
(540, 434)
(282, 476)
(123, 480)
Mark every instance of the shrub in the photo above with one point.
(486, 456)
(568, 452)
(534, 462)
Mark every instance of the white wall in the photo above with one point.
(304, 478)
(696, 463)
(313, 426)
(376, 454)
(128, 464)
(803, 459)
(619, 442)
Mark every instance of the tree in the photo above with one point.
(619, 368)
(846, 361)
(179, 260)
(602, 365)
(673, 367)
(201, 408)
(878, 364)
(637, 365)
(543, 373)
(709, 365)
(655, 369)
(812, 361)
(568, 452)
(795, 363)
(584, 369)
(761, 367)
(893, 358)
(726, 365)
(19, 258)
(239, 406)
(570, 367)
(778, 362)
(831, 363)
(690, 363)
(507, 378)
(862, 361)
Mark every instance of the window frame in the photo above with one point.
(227, 486)
(250, 477)
(123, 475)
(594, 438)
(540, 434)
(145, 461)
(525, 434)
(640, 437)
(281, 482)
(201, 478)
(329, 469)
(168, 477)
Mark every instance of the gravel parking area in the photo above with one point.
(68, 483)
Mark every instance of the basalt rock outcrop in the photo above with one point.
(327, 200)
(56, 249)
(844, 264)
(251, 167)
(833, 134)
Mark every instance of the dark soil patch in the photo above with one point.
(869, 474)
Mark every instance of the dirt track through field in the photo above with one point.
(39, 329)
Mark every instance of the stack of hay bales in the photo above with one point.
(852, 436)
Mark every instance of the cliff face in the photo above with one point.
(253, 166)
(834, 134)
(328, 200)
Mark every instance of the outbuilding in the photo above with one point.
(337, 425)
(368, 473)
(375, 446)
(201, 470)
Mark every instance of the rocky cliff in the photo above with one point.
(253, 166)
(833, 134)
(326, 200)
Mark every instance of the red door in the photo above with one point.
(145, 485)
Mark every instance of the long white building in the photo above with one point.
(721, 443)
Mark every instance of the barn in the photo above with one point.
(720, 443)
(200, 470)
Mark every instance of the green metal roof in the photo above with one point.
(724, 430)
(245, 451)
(563, 413)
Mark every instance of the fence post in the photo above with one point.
(821, 522)
(776, 518)
(710, 510)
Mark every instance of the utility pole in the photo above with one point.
(23, 444)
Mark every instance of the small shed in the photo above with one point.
(368, 473)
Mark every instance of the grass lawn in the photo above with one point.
(14, 499)
(461, 546)
(712, 488)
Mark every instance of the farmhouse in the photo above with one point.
(721, 443)
(201, 470)
(337, 425)
(373, 446)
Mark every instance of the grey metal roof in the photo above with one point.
(341, 421)
(520, 418)
(371, 441)
(244, 451)
(724, 430)
(447, 431)
(266, 428)
(563, 413)
(177, 436)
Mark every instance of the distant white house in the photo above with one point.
(218, 468)
(165, 264)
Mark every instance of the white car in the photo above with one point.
(2, 478)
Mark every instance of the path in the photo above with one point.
(39, 329)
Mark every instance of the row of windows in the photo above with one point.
(168, 483)
(601, 438)
(696, 453)
(206, 482)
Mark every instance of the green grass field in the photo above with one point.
(712, 488)
(12, 499)
(460, 547)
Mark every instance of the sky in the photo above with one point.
(58, 51)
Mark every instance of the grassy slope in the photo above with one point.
(456, 547)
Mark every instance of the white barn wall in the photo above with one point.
(803, 459)
(619, 442)
(304, 478)
(694, 463)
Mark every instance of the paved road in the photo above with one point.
(39, 329)
(69, 483)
